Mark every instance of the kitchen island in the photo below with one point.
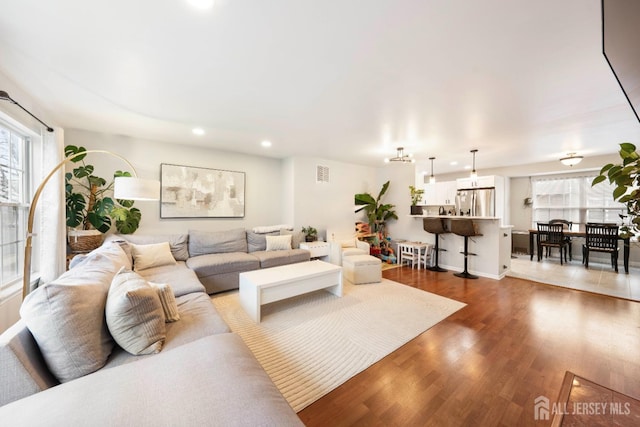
(492, 249)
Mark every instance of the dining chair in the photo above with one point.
(566, 225)
(551, 236)
(601, 238)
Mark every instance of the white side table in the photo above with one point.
(319, 250)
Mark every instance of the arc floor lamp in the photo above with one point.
(126, 188)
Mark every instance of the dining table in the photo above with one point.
(580, 232)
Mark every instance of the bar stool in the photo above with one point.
(466, 229)
(435, 226)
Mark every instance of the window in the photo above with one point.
(14, 202)
(574, 199)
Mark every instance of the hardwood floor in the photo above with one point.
(485, 364)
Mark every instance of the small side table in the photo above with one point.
(319, 250)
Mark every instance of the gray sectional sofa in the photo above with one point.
(60, 366)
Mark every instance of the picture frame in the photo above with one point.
(197, 192)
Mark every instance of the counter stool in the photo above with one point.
(466, 229)
(435, 226)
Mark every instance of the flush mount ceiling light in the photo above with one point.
(571, 159)
(266, 143)
(432, 179)
(401, 157)
(474, 174)
(198, 131)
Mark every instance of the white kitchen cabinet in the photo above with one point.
(440, 194)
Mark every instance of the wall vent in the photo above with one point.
(322, 173)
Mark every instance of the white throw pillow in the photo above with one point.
(154, 255)
(134, 314)
(348, 243)
(168, 300)
(278, 243)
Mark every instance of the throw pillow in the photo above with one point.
(257, 241)
(67, 321)
(168, 300)
(278, 243)
(148, 256)
(297, 237)
(348, 243)
(179, 243)
(134, 314)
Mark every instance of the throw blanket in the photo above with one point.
(270, 228)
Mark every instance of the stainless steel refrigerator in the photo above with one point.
(476, 201)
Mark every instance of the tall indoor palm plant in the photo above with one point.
(378, 213)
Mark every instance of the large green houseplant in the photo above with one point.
(89, 204)
(626, 178)
(378, 213)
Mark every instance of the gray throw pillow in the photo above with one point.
(257, 241)
(217, 242)
(134, 314)
(66, 316)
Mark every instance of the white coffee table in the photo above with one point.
(260, 287)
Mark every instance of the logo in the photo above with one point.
(541, 408)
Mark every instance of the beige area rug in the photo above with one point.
(387, 266)
(313, 343)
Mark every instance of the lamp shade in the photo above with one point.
(132, 188)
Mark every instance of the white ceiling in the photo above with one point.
(523, 81)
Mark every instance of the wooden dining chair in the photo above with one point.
(551, 236)
(601, 238)
(566, 226)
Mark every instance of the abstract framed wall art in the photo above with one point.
(193, 192)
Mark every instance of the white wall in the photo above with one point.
(263, 194)
(326, 205)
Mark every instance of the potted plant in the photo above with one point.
(310, 234)
(378, 213)
(416, 196)
(90, 210)
(626, 177)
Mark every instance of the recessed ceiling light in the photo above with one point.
(201, 4)
(453, 163)
(198, 131)
(266, 143)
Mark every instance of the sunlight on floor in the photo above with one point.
(599, 278)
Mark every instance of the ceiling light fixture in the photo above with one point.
(432, 179)
(198, 131)
(474, 174)
(571, 159)
(401, 157)
(5, 97)
(266, 143)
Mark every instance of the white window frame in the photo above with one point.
(575, 204)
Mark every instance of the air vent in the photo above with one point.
(322, 173)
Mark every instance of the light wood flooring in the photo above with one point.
(485, 364)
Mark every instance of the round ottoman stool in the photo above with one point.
(360, 269)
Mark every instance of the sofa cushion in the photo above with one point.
(134, 314)
(270, 259)
(278, 243)
(179, 243)
(258, 241)
(66, 316)
(182, 279)
(152, 255)
(212, 381)
(215, 242)
(198, 318)
(206, 265)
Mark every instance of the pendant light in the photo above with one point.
(432, 179)
(474, 174)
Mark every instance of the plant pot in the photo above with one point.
(416, 210)
(84, 240)
(310, 238)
